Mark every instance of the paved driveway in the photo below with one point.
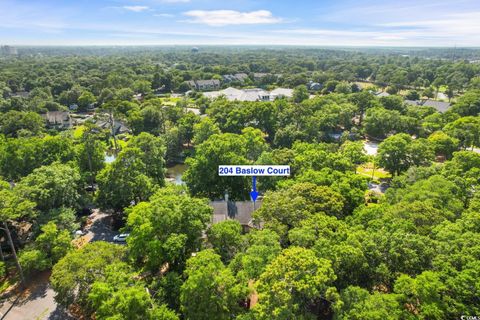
(37, 301)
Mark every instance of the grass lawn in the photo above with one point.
(366, 170)
(366, 85)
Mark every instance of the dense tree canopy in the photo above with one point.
(355, 231)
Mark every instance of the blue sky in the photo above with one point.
(233, 22)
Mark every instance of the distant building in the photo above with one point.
(195, 49)
(8, 51)
(20, 94)
(382, 94)
(240, 77)
(314, 86)
(255, 94)
(281, 93)
(73, 107)
(202, 85)
(440, 106)
(60, 120)
(119, 127)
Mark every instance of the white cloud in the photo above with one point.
(164, 15)
(136, 8)
(231, 17)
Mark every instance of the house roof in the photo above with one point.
(440, 106)
(382, 94)
(279, 92)
(254, 94)
(207, 82)
(57, 117)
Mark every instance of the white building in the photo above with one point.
(256, 94)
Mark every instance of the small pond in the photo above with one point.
(175, 173)
(371, 147)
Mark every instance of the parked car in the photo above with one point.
(80, 233)
(121, 237)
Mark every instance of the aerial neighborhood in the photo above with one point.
(239, 160)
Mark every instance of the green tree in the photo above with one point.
(284, 209)
(225, 237)
(300, 93)
(262, 246)
(73, 276)
(186, 126)
(466, 130)
(120, 295)
(443, 144)
(295, 284)
(422, 295)
(52, 186)
(63, 217)
(33, 260)
(12, 208)
(468, 104)
(167, 229)
(153, 155)
(380, 122)
(358, 304)
(124, 181)
(343, 87)
(85, 99)
(354, 151)
(412, 95)
(393, 102)
(174, 144)
(90, 154)
(210, 291)
(202, 175)
(203, 130)
(53, 242)
(398, 152)
(17, 123)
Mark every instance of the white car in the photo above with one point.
(80, 233)
(121, 237)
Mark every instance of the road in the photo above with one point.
(37, 301)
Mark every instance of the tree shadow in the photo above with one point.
(60, 314)
(102, 230)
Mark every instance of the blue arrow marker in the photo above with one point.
(254, 193)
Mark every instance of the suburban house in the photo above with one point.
(20, 94)
(242, 211)
(201, 85)
(440, 106)
(256, 94)
(382, 94)
(314, 86)
(240, 77)
(281, 93)
(58, 119)
(259, 75)
(119, 127)
(73, 107)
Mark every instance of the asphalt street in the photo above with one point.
(37, 301)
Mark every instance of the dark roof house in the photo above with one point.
(211, 84)
(58, 119)
(440, 106)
